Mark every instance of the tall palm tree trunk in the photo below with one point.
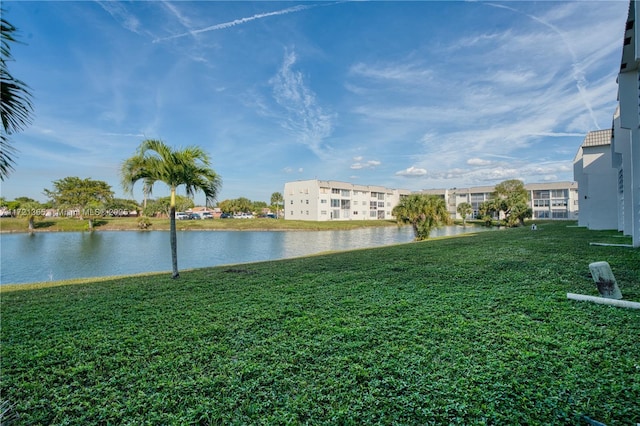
(172, 232)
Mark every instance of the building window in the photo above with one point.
(335, 191)
(307, 201)
(381, 204)
(323, 201)
(323, 212)
(373, 205)
(620, 181)
(373, 213)
(541, 194)
(335, 202)
(345, 193)
(291, 201)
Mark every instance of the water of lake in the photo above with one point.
(52, 256)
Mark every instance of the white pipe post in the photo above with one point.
(604, 301)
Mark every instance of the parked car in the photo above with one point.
(243, 216)
(206, 215)
(194, 216)
(182, 216)
(226, 216)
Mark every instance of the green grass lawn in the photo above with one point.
(131, 223)
(468, 330)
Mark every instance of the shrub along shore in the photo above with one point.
(468, 330)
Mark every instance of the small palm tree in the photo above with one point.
(423, 212)
(464, 209)
(155, 161)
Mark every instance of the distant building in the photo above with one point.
(323, 200)
(625, 147)
(597, 181)
(318, 200)
(551, 200)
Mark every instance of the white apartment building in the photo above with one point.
(597, 181)
(625, 146)
(608, 172)
(552, 200)
(324, 200)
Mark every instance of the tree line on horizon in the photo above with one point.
(112, 206)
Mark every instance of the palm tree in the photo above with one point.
(423, 212)
(15, 100)
(464, 209)
(155, 161)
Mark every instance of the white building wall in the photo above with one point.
(621, 162)
(317, 200)
(558, 200)
(583, 188)
(554, 200)
(597, 188)
(627, 135)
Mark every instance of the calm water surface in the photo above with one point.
(49, 256)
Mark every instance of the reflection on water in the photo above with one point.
(48, 256)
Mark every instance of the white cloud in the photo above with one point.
(292, 170)
(310, 124)
(478, 162)
(406, 72)
(366, 165)
(119, 12)
(412, 172)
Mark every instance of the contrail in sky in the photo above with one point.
(235, 22)
(578, 75)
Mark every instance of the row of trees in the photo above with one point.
(509, 201)
(426, 212)
(77, 197)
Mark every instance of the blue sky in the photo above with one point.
(410, 95)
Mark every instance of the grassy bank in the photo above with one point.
(468, 330)
(131, 223)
